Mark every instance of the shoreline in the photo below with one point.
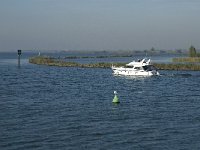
(49, 61)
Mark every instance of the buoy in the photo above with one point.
(115, 99)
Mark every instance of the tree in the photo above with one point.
(192, 51)
(152, 49)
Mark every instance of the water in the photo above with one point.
(45, 107)
(154, 59)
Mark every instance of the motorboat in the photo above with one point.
(136, 68)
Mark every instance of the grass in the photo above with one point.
(187, 59)
(44, 60)
(177, 66)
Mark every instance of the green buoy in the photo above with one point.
(115, 99)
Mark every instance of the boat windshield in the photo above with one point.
(149, 68)
(129, 66)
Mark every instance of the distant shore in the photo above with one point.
(49, 61)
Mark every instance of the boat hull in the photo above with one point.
(136, 68)
(129, 72)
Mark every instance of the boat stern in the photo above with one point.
(154, 73)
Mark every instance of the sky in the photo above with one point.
(99, 24)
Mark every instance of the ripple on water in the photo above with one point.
(71, 108)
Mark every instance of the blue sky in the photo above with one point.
(99, 24)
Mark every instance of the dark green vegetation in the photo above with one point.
(193, 56)
(177, 66)
(192, 51)
(186, 59)
(44, 60)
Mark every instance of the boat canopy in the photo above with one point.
(139, 62)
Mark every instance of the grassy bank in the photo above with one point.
(187, 59)
(177, 66)
(41, 60)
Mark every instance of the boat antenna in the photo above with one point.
(146, 54)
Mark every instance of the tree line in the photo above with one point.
(193, 52)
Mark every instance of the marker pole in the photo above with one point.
(19, 52)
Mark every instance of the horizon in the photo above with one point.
(99, 25)
(117, 51)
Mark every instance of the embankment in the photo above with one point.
(44, 60)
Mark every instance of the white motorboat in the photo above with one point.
(136, 68)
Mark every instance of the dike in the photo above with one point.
(49, 61)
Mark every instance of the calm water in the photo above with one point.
(71, 108)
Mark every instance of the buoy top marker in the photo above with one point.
(115, 99)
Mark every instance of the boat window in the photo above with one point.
(129, 66)
(145, 67)
(138, 68)
(149, 68)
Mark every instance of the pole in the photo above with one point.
(19, 53)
